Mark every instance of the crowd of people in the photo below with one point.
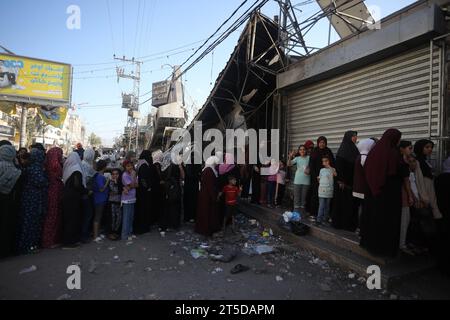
(385, 190)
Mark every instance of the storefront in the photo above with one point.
(395, 77)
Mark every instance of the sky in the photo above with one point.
(158, 32)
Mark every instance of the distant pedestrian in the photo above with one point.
(79, 150)
(129, 181)
(326, 190)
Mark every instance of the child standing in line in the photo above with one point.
(326, 189)
(231, 192)
(271, 190)
(100, 189)
(281, 184)
(128, 199)
(114, 203)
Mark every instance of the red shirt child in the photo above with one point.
(231, 193)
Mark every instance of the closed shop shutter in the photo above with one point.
(392, 93)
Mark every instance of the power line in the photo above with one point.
(241, 20)
(110, 25)
(215, 32)
(137, 26)
(123, 26)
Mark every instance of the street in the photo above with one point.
(162, 268)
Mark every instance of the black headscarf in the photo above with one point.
(315, 161)
(147, 156)
(348, 149)
(421, 157)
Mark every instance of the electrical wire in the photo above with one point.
(110, 25)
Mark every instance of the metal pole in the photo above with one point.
(23, 127)
(430, 90)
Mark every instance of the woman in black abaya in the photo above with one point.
(315, 164)
(345, 206)
(191, 188)
(142, 217)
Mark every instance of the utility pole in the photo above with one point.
(132, 122)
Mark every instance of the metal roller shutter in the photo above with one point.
(392, 93)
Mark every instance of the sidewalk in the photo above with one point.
(342, 249)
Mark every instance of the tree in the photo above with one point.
(94, 140)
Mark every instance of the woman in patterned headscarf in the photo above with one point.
(33, 206)
(51, 233)
(10, 183)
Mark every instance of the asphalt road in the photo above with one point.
(152, 267)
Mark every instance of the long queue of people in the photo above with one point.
(380, 189)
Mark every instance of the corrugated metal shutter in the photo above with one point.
(392, 93)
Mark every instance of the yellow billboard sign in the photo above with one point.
(27, 79)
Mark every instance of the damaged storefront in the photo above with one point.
(392, 77)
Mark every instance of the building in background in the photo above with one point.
(7, 129)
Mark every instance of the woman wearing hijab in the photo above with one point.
(33, 204)
(345, 207)
(443, 200)
(315, 164)
(193, 172)
(87, 165)
(171, 212)
(9, 199)
(143, 210)
(442, 188)
(207, 220)
(423, 150)
(51, 233)
(360, 187)
(73, 192)
(381, 216)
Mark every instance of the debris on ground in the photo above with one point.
(181, 262)
(198, 253)
(129, 263)
(239, 268)
(279, 278)
(28, 270)
(324, 287)
(92, 266)
(351, 276)
(217, 270)
(148, 269)
(64, 297)
(261, 249)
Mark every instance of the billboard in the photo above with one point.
(160, 93)
(31, 80)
